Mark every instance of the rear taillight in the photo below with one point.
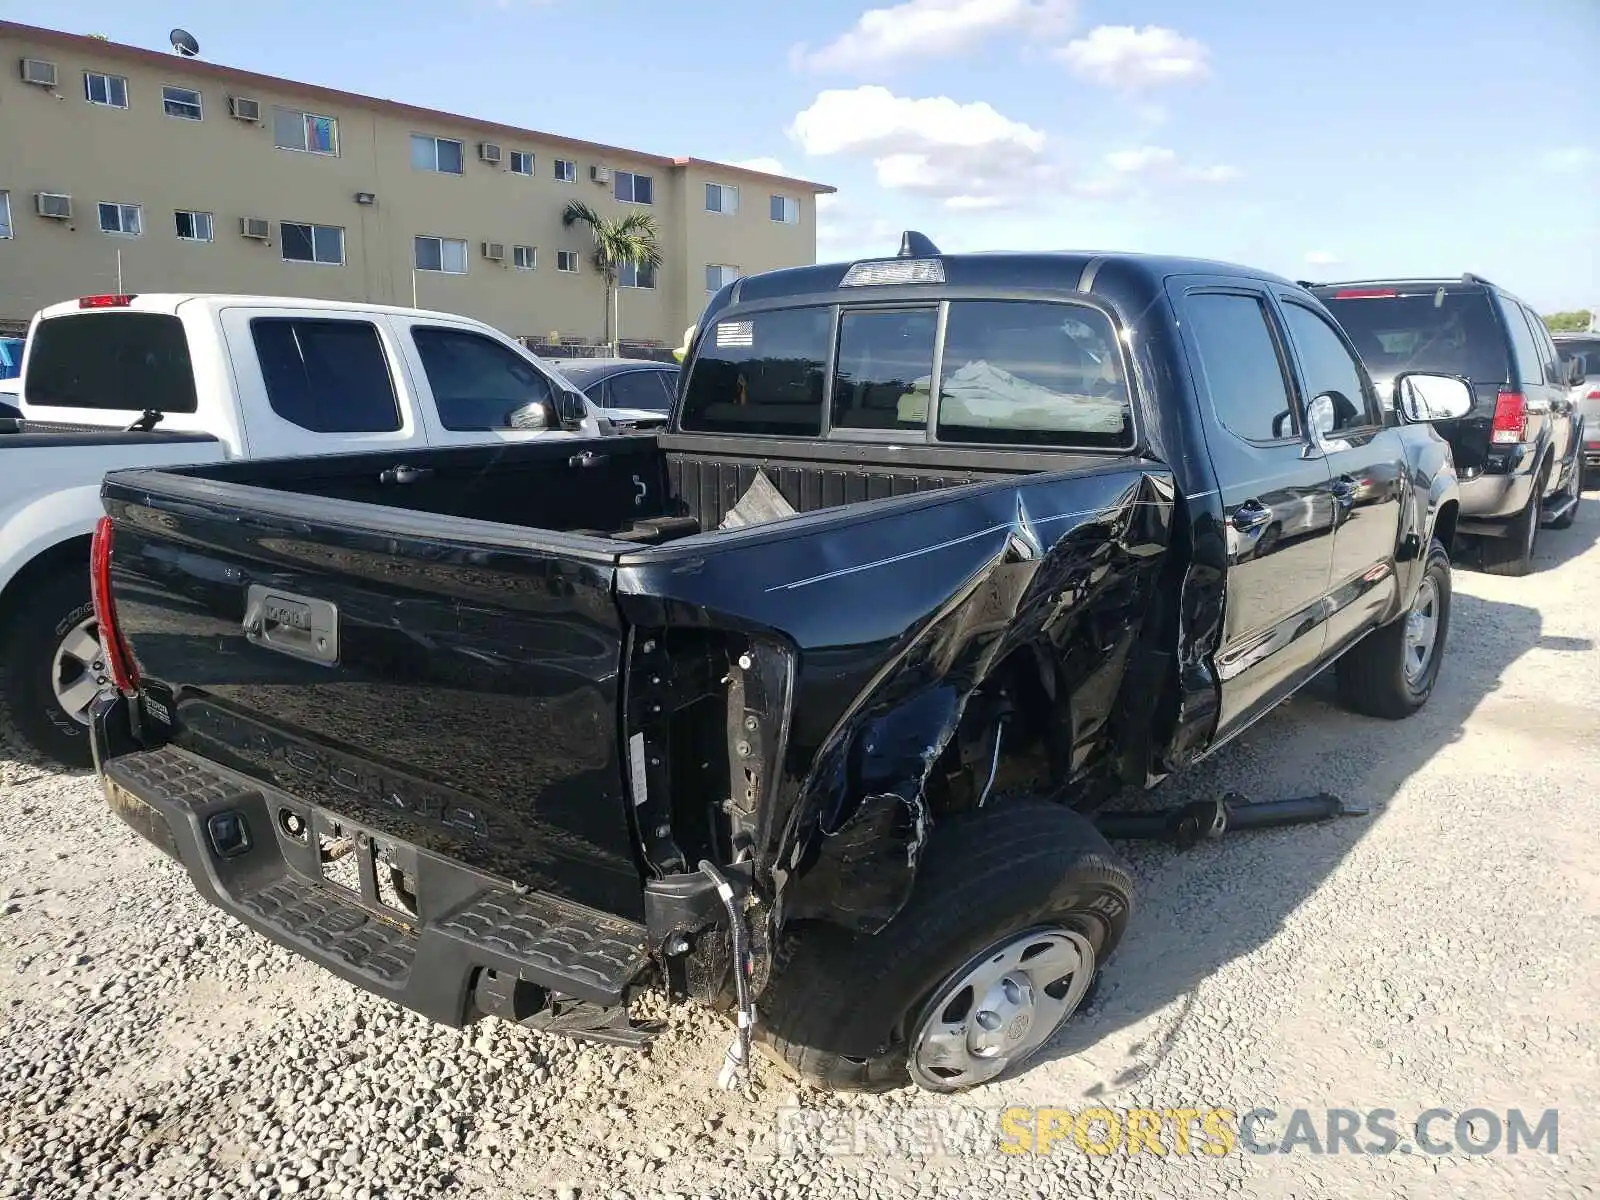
(1593, 396)
(124, 673)
(1510, 419)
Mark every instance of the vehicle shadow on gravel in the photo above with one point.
(1200, 909)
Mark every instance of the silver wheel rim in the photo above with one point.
(1000, 1008)
(1422, 630)
(78, 670)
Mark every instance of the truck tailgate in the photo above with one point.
(457, 695)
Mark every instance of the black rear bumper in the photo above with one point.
(430, 960)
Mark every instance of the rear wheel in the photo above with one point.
(1013, 912)
(1390, 673)
(51, 667)
(1513, 553)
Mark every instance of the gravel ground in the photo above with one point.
(1438, 954)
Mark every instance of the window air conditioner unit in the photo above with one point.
(494, 251)
(489, 152)
(242, 108)
(38, 71)
(54, 205)
(600, 174)
(255, 227)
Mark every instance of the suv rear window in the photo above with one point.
(1015, 372)
(1585, 350)
(1450, 332)
(130, 361)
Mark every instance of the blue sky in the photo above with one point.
(1325, 140)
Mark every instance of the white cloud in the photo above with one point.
(931, 28)
(1567, 158)
(1149, 165)
(967, 155)
(771, 166)
(1125, 57)
(1322, 258)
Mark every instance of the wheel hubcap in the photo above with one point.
(78, 670)
(1000, 1008)
(1422, 630)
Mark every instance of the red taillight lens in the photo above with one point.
(123, 671)
(1593, 396)
(1510, 419)
(104, 301)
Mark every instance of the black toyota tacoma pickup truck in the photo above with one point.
(806, 703)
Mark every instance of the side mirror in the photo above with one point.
(533, 418)
(1575, 372)
(571, 409)
(1424, 397)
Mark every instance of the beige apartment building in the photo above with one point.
(189, 176)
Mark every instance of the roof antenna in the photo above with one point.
(916, 245)
(183, 42)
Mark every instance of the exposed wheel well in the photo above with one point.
(59, 557)
(1444, 526)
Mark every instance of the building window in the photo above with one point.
(566, 171)
(448, 255)
(525, 258)
(322, 244)
(719, 276)
(633, 189)
(122, 219)
(108, 90)
(193, 226)
(5, 215)
(522, 162)
(636, 275)
(309, 133)
(722, 198)
(786, 210)
(180, 102)
(429, 153)
(567, 261)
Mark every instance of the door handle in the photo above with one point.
(404, 474)
(587, 459)
(1250, 516)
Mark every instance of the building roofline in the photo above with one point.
(106, 48)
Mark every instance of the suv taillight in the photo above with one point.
(124, 672)
(1510, 419)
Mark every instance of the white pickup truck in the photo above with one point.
(112, 382)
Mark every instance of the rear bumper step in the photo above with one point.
(428, 960)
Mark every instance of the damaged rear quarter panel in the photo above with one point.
(897, 614)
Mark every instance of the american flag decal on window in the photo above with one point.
(736, 333)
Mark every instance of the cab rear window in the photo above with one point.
(1014, 372)
(130, 361)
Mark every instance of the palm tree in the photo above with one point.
(633, 239)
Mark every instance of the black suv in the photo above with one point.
(1519, 452)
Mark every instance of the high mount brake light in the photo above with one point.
(1365, 293)
(124, 672)
(104, 301)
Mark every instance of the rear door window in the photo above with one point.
(476, 382)
(328, 376)
(1243, 369)
(1437, 330)
(761, 375)
(1028, 373)
(1530, 359)
(638, 389)
(133, 361)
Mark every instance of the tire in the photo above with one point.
(1373, 675)
(841, 1008)
(51, 608)
(1575, 491)
(1513, 554)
